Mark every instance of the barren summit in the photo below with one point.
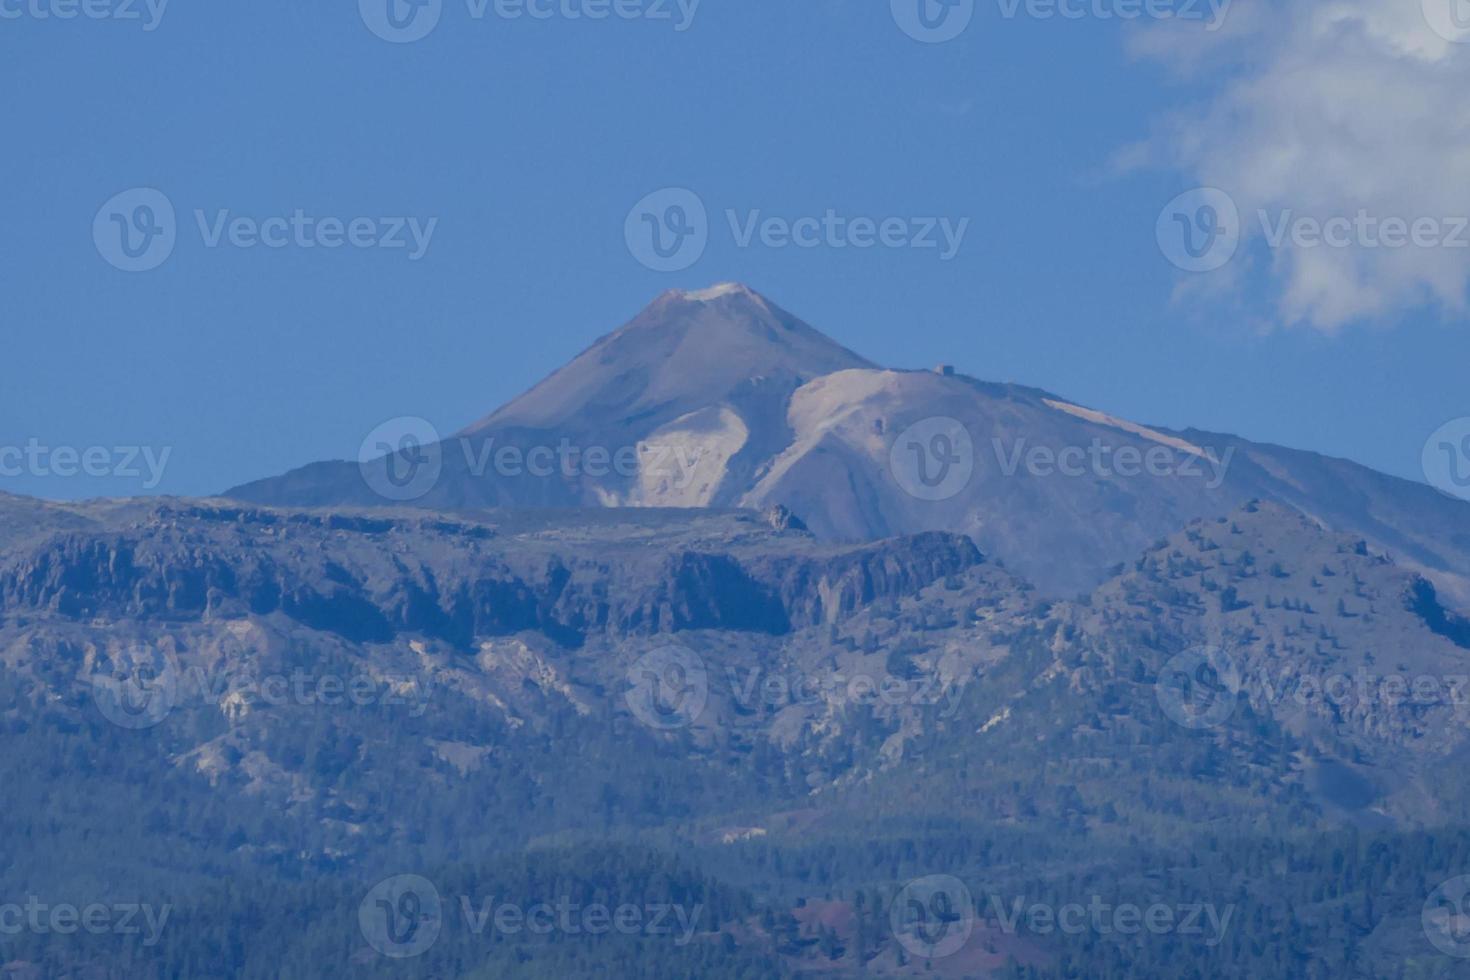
(685, 351)
(718, 397)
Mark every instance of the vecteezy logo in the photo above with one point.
(1199, 231)
(933, 21)
(401, 916)
(401, 21)
(1447, 459)
(667, 688)
(933, 917)
(1450, 19)
(1198, 688)
(668, 230)
(1446, 917)
(401, 459)
(933, 459)
(136, 688)
(135, 231)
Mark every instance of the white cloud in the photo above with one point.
(1329, 108)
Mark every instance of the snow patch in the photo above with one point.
(716, 291)
(1100, 418)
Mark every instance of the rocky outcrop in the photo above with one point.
(369, 579)
(824, 591)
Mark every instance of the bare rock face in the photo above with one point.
(368, 579)
(780, 518)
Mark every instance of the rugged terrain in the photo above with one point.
(853, 669)
(296, 696)
(724, 399)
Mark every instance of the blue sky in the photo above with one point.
(526, 142)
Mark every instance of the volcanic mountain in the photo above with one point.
(718, 398)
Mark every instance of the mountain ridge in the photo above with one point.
(747, 406)
(723, 683)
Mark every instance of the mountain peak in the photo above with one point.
(725, 295)
(740, 403)
(686, 350)
(718, 291)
